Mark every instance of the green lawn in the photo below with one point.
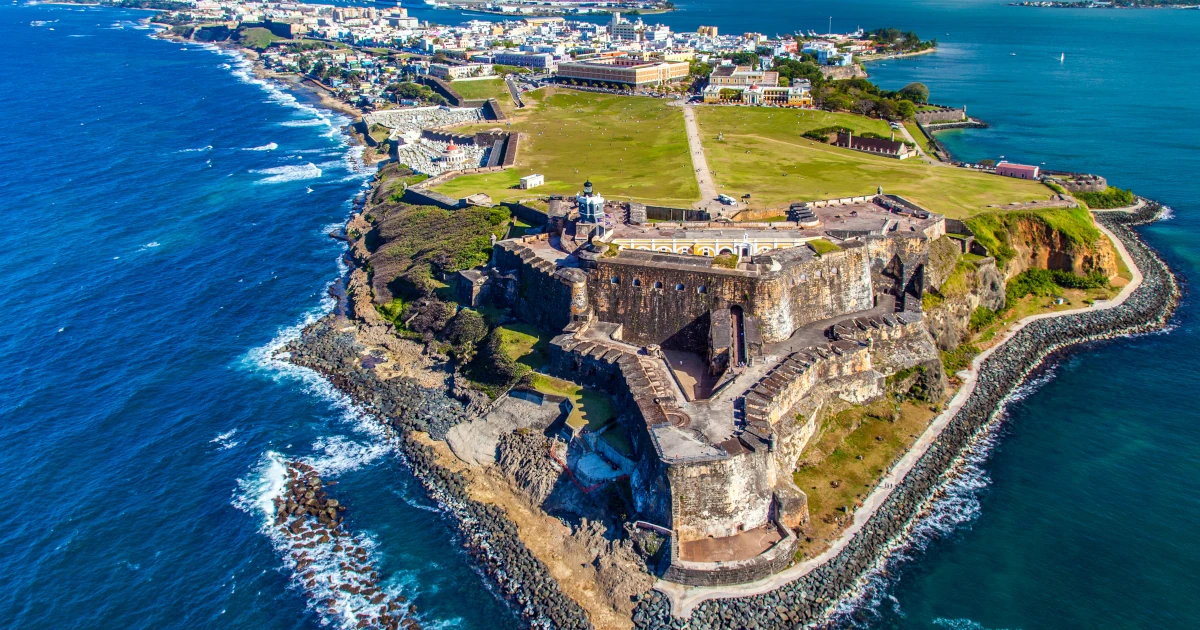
(593, 408)
(524, 343)
(480, 89)
(763, 153)
(630, 147)
(257, 38)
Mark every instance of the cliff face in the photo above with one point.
(1063, 238)
(1041, 246)
(962, 286)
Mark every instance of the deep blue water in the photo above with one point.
(150, 259)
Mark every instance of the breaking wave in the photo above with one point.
(270, 146)
(281, 174)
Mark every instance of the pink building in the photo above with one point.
(1020, 171)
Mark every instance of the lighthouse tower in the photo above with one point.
(591, 205)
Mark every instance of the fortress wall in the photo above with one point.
(897, 263)
(805, 291)
(667, 316)
(789, 382)
(944, 115)
(721, 498)
(541, 295)
(621, 375)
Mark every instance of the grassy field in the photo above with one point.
(841, 466)
(630, 147)
(592, 407)
(524, 343)
(483, 89)
(763, 153)
(257, 38)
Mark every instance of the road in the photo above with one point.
(704, 179)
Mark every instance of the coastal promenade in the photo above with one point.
(684, 599)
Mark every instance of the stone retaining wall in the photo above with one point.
(810, 598)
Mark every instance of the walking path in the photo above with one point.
(708, 190)
(920, 150)
(684, 599)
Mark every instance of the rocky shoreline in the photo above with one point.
(811, 598)
(331, 563)
(404, 408)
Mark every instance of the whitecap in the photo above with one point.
(291, 173)
(223, 440)
(199, 150)
(305, 122)
(953, 506)
(153, 244)
(270, 146)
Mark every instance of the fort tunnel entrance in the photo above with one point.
(738, 349)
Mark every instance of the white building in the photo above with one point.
(532, 181)
(450, 73)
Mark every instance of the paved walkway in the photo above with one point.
(708, 190)
(684, 599)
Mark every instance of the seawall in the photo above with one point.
(810, 597)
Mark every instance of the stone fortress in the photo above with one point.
(722, 344)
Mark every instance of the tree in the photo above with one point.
(493, 366)
(915, 92)
(906, 110)
(885, 109)
(864, 106)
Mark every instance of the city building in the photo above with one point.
(537, 61)
(742, 76)
(1020, 171)
(452, 72)
(707, 31)
(796, 95)
(621, 29)
(627, 70)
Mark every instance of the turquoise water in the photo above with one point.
(167, 219)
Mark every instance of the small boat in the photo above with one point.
(1062, 57)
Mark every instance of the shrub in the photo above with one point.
(1049, 282)
(822, 134)
(728, 261)
(1111, 197)
(981, 318)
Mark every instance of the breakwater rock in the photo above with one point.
(811, 598)
(403, 407)
(333, 565)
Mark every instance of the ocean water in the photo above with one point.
(167, 220)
